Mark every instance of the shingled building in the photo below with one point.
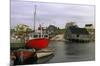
(77, 34)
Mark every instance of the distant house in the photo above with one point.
(52, 30)
(74, 33)
(90, 28)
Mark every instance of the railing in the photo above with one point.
(38, 36)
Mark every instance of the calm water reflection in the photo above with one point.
(69, 52)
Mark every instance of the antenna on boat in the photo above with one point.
(34, 16)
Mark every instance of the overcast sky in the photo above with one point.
(22, 12)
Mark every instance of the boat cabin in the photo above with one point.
(37, 35)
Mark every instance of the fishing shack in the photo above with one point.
(74, 33)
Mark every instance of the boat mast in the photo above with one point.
(35, 21)
(34, 16)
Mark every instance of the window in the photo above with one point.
(45, 35)
(35, 36)
(39, 35)
(77, 35)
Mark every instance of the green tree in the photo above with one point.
(22, 29)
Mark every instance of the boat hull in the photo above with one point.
(38, 43)
(25, 54)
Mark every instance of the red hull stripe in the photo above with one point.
(37, 43)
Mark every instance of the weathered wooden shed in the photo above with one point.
(74, 33)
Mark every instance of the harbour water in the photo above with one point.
(70, 52)
(67, 52)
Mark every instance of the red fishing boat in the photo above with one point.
(37, 39)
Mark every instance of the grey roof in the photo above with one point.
(76, 30)
(88, 25)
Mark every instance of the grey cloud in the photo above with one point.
(50, 13)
